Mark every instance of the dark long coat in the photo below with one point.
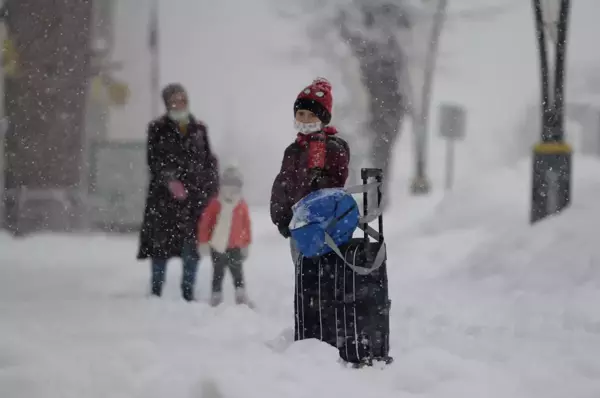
(169, 223)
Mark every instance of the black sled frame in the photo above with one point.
(378, 324)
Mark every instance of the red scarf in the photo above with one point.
(303, 139)
(317, 146)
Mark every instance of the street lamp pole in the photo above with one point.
(551, 182)
(154, 43)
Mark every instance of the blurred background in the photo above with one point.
(82, 78)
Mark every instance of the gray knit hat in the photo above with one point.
(170, 90)
(232, 177)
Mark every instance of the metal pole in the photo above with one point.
(155, 104)
(546, 101)
(3, 120)
(3, 128)
(551, 182)
(559, 70)
(450, 147)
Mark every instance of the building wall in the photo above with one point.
(131, 48)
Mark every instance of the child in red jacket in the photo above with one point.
(224, 233)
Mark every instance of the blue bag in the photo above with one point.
(329, 214)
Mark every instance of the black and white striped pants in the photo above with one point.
(314, 301)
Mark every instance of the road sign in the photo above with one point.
(452, 121)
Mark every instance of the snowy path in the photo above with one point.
(76, 323)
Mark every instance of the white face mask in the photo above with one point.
(230, 193)
(179, 116)
(306, 128)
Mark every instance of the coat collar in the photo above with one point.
(302, 139)
(173, 126)
(168, 121)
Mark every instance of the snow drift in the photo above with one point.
(484, 307)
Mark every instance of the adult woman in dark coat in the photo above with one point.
(183, 176)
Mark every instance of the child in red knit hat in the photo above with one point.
(317, 159)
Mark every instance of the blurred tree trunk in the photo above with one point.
(45, 99)
(381, 58)
(421, 184)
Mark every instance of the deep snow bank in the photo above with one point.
(483, 306)
(560, 252)
(556, 261)
(500, 200)
(488, 217)
(477, 283)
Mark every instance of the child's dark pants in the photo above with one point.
(232, 260)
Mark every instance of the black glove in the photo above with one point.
(284, 230)
(316, 175)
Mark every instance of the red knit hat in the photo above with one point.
(316, 98)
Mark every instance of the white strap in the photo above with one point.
(362, 188)
(372, 216)
(373, 213)
(370, 231)
(363, 225)
(377, 262)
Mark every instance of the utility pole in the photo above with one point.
(45, 105)
(551, 182)
(154, 47)
(4, 70)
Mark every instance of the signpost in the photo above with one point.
(154, 48)
(452, 128)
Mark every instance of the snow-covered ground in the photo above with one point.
(483, 306)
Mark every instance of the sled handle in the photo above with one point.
(365, 206)
(378, 261)
(379, 179)
(376, 173)
(367, 173)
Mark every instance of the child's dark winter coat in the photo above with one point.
(295, 180)
(316, 160)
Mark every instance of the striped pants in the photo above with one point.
(339, 307)
(314, 299)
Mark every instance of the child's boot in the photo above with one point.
(216, 299)
(242, 298)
